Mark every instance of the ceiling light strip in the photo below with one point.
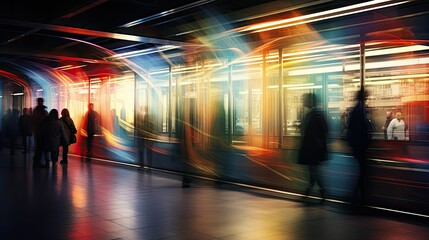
(333, 13)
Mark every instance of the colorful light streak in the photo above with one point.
(324, 15)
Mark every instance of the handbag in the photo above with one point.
(72, 138)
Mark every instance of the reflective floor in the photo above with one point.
(93, 200)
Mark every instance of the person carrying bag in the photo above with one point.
(70, 131)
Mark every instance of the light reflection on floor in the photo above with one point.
(90, 200)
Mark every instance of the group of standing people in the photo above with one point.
(51, 132)
(15, 126)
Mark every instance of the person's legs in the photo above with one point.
(65, 153)
(359, 197)
(47, 157)
(12, 142)
(54, 157)
(363, 179)
(311, 179)
(38, 152)
(320, 181)
(89, 145)
(312, 176)
(24, 143)
(37, 157)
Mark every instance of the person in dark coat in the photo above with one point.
(69, 131)
(313, 149)
(25, 130)
(39, 114)
(359, 137)
(91, 124)
(52, 132)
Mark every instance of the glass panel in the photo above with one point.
(398, 82)
(241, 111)
(159, 98)
(271, 99)
(328, 69)
(121, 91)
(246, 91)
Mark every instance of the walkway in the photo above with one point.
(92, 200)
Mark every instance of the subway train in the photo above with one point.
(231, 109)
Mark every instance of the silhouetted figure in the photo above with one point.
(145, 132)
(25, 130)
(386, 124)
(39, 114)
(218, 149)
(12, 129)
(69, 132)
(396, 129)
(313, 150)
(91, 125)
(359, 136)
(115, 123)
(52, 132)
(186, 137)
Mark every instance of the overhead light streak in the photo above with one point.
(306, 87)
(92, 33)
(292, 85)
(355, 67)
(166, 13)
(324, 15)
(143, 52)
(69, 67)
(393, 77)
(381, 52)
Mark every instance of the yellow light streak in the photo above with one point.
(324, 15)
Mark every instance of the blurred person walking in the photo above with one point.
(52, 133)
(91, 125)
(25, 130)
(39, 114)
(313, 149)
(145, 132)
(359, 136)
(69, 133)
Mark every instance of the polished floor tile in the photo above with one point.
(93, 200)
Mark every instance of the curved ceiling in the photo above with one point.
(89, 34)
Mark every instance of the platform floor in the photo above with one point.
(93, 200)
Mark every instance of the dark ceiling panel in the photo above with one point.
(59, 29)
